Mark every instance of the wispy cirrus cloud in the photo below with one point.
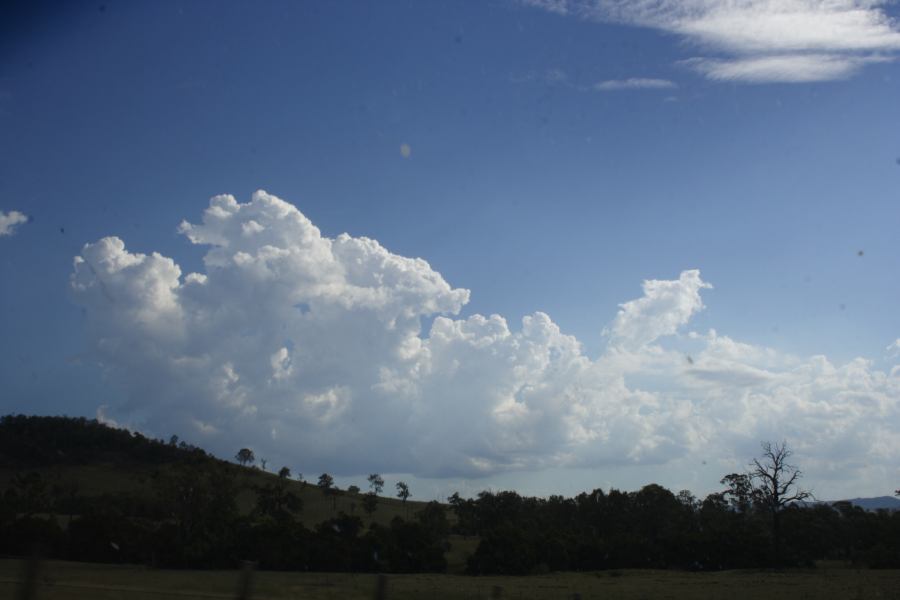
(559, 77)
(796, 68)
(757, 41)
(554, 76)
(633, 83)
(556, 6)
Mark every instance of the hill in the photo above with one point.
(96, 460)
(85, 491)
(878, 503)
(81, 490)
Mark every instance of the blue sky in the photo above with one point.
(559, 154)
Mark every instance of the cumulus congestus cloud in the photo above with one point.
(312, 348)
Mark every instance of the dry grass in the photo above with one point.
(79, 581)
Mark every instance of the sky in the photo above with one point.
(543, 245)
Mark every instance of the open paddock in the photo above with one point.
(57, 580)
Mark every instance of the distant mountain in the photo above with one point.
(881, 502)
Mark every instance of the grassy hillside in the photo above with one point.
(82, 490)
(95, 459)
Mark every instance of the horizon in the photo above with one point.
(543, 245)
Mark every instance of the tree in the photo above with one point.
(403, 494)
(245, 457)
(775, 486)
(688, 500)
(370, 503)
(326, 484)
(29, 493)
(262, 463)
(201, 508)
(284, 473)
(376, 483)
(740, 491)
(276, 502)
(353, 489)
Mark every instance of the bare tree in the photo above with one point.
(775, 485)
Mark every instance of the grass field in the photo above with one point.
(81, 581)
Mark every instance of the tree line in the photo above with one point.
(762, 518)
(188, 517)
(246, 458)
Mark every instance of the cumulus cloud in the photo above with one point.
(760, 40)
(664, 307)
(10, 221)
(634, 83)
(312, 349)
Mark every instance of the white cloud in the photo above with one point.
(311, 350)
(634, 83)
(554, 76)
(762, 40)
(9, 221)
(558, 77)
(556, 6)
(894, 348)
(665, 306)
(791, 68)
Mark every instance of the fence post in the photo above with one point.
(30, 570)
(245, 582)
(381, 587)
